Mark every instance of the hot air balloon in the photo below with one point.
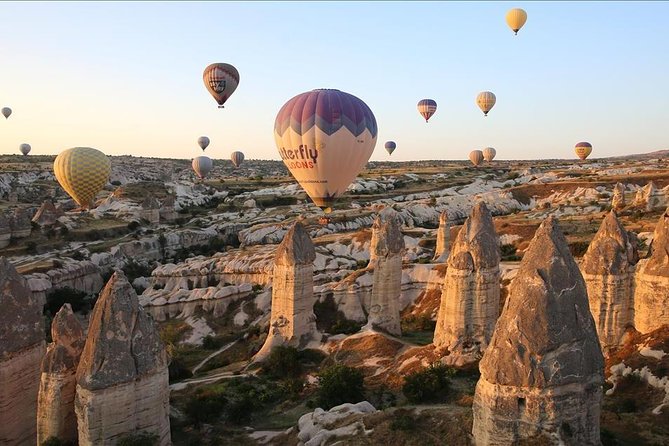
(583, 149)
(390, 147)
(221, 79)
(325, 138)
(82, 172)
(486, 101)
(489, 154)
(476, 157)
(516, 18)
(203, 142)
(6, 111)
(237, 158)
(427, 107)
(25, 148)
(202, 165)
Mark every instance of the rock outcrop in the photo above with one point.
(47, 215)
(82, 276)
(618, 200)
(19, 223)
(651, 293)
(442, 249)
(21, 350)
(168, 211)
(150, 210)
(649, 198)
(122, 379)
(55, 403)
(386, 251)
(292, 320)
(470, 298)
(543, 372)
(5, 231)
(608, 270)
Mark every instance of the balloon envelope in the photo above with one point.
(427, 107)
(489, 154)
(237, 158)
(476, 157)
(583, 149)
(202, 165)
(203, 142)
(390, 147)
(221, 80)
(486, 101)
(325, 138)
(516, 18)
(82, 172)
(6, 111)
(25, 148)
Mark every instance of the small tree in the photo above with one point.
(340, 384)
(430, 385)
(283, 362)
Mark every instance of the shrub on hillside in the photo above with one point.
(283, 362)
(339, 384)
(139, 439)
(430, 385)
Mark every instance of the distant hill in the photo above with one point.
(658, 154)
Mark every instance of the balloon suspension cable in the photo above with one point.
(221, 106)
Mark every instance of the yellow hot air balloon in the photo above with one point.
(583, 149)
(476, 157)
(82, 172)
(486, 101)
(516, 18)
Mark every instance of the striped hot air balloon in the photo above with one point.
(583, 149)
(6, 111)
(202, 165)
(489, 154)
(25, 148)
(486, 101)
(390, 147)
(237, 158)
(476, 157)
(203, 142)
(427, 107)
(516, 18)
(221, 80)
(82, 172)
(325, 137)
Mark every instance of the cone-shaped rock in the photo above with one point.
(648, 197)
(122, 378)
(470, 298)
(543, 370)
(21, 350)
(292, 321)
(608, 270)
(386, 251)
(618, 200)
(443, 239)
(47, 214)
(651, 295)
(55, 404)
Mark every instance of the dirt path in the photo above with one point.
(206, 360)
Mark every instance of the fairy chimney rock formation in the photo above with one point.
(651, 295)
(150, 210)
(470, 297)
(292, 321)
(386, 251)
(47, 214)
(443, 239)
(648, 197)
(608, 270)
(618, 200)
(122, 379)
(21, 350)
(55, 403)
(543, 371)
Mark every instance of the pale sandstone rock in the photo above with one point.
(292, 320)
(651, 294)
(55, 403)
(386, 251)
(82, 276)
(21, 350)
(608, 271)
(150, 210)
(167, 209)
(19, 223)
(649, 197)
(47, 215)
(470, 298)
(122, 379)
(443, 239)
(618, 200)
(543, 371)
(5, 231)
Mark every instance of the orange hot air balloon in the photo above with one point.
(221, 80)
(583, 149)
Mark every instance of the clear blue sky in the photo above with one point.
(126, 78)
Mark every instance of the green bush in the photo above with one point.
(210, 342)
(56, 298)
(430, 385)
(283, 362)
(421, 322)
(339, 384)
(509, 253)
(139, 439)
(133, 270)
(205, 407)
(330, 320)
(55, 441)
(403, 420)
